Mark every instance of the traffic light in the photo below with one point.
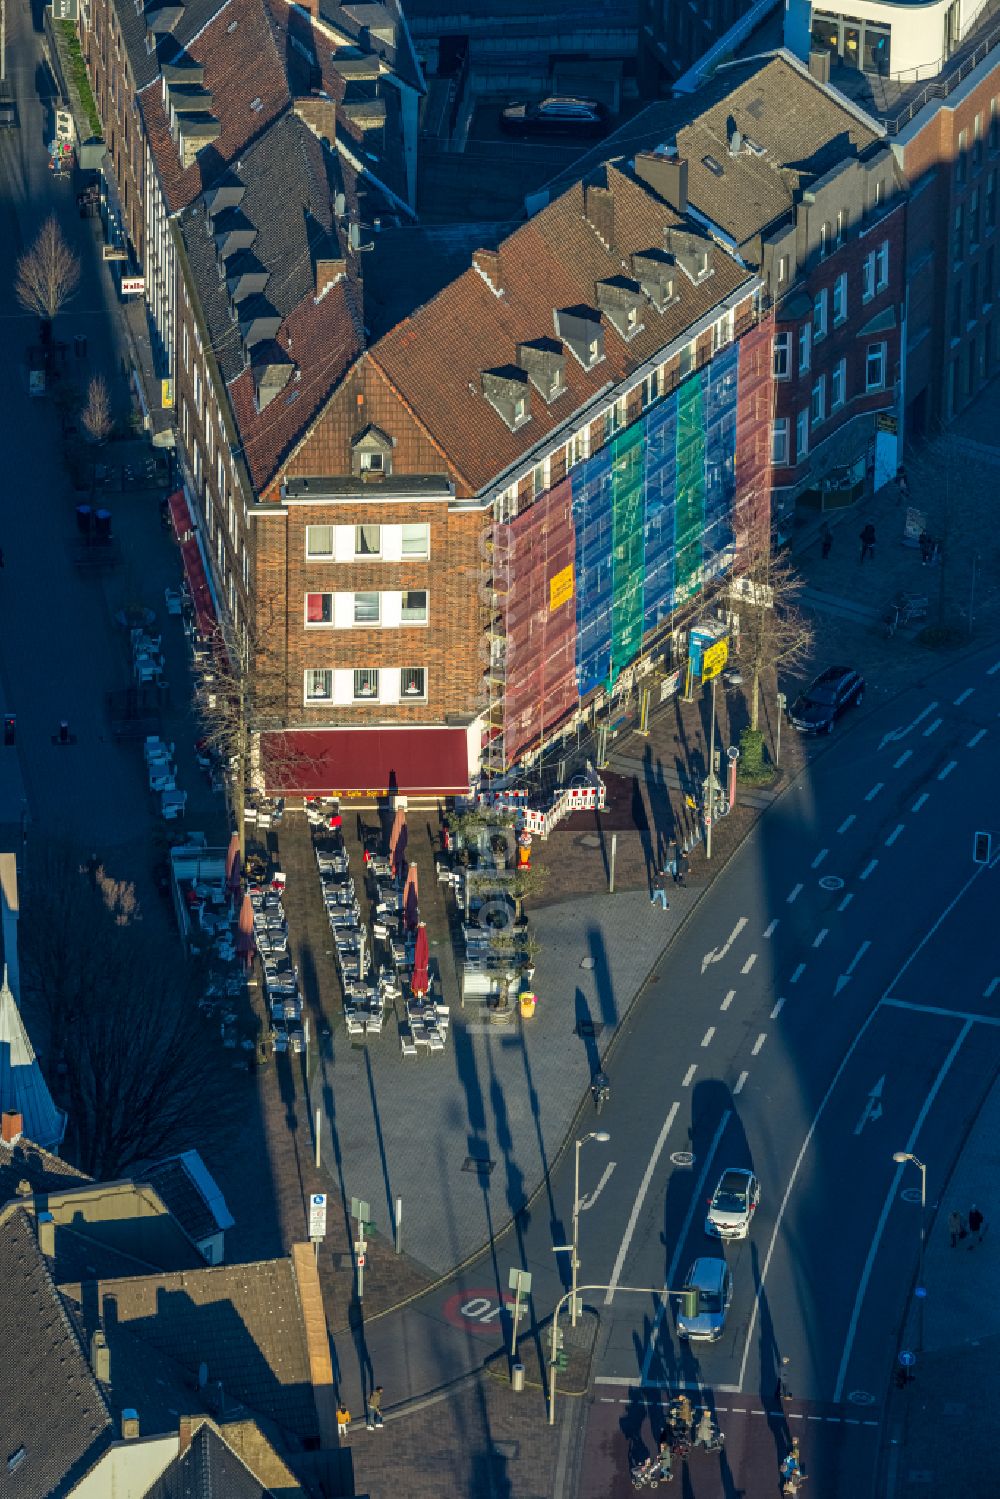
(9, 730)
(982, 847)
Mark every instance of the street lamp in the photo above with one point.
(603, 1136)
(901, 1157)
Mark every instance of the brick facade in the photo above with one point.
(107, 63)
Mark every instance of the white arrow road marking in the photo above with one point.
(873, 1108)
(718, 953)
(858, 956)
(842, 982)
(588, 1202)
(633, 1218)
(895, 734)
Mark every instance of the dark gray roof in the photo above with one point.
(146, 65)
(52, 1407)
(378, 26)
(43, 1171)
(176, 1183)
(209, 1469)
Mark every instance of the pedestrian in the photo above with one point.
(867, 538)
(956, 1227)
(681, 866)
(659, 896)
(705, 1434)
(977, 1224)
(782, 1392)
(825, 539)
(375, 1408)
(902, 485)
(343, 1419)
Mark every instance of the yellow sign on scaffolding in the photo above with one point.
(714, 659)
(560, 588)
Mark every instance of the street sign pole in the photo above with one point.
(711, 779)
(362, 1211)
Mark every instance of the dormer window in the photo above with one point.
(520, 409)
(544, 363)
(508, 392)
(581, 331)
(371, 451)
(692, 252)
(373, 462)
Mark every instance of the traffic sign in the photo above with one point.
(361, 1262)
(907, 1359)
(981, 848)
(317, 1215)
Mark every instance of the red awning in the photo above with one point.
(366, 762)
(201, 594)
(180, 514)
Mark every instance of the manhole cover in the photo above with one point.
(589, 1027)
(589, 840)
(831, 882)
(479, 1164)
(910, 1194)
(861, 1397)
(682, 1158)
(508, 1450)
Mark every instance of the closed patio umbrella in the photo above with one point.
(245, 944)
(398, 824)
(420, 980)
(411, 898)
(232, 858)
(399, 859)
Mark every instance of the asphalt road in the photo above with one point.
(833, 999)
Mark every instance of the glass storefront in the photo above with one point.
(859, 44)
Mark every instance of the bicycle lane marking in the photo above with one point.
(633, 1219)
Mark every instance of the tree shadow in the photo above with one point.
(640, 821)
(659, 804)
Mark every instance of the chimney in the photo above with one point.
(328, 272)
(100, 1355)
(666, 175)
(487, 263)
(24, 1188)
(11, 1127)
(130, 1424)
(320, 114)
(185, 1431)
(47, 1234)
(599, 210)
(819, 64)
(735, 142)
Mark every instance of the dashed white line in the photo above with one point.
(846, 901)
(686, 1083)
(777, 1009)
(896, 764)
(728, 1000)
(981, 734)
(796, 892)
(798, 973)
(869, 868)
(963, 695)
(706, 1039)
(932, 728)
(991, 988)
(858, 956)
(758, 1044)
(923, 797)
(873, 793)
(947, 770)
(740, 1082)
(821, 936)
(749, 963)
(894, 834)
(769, 929)
(820, 857)
(846, 823)
(992, 670)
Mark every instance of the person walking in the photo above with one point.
(956, 1227)
(825, 540)
(375, 1409)
(343, 1420)
(681, 866)
(867, 539)
(659, 895)
(977, 1225)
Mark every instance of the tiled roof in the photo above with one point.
(436, 357)
(43, 1171)
(246, 78)
(209, 1469)
(23, 1089)
(355, 20)
(188, 1192)
(52, 1408)
(145, 66)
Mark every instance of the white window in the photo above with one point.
(505, 505)
(882, 266)
(373, 461)
(782, 356)
(413, 682)
(414, 611)
(868, 278)
(197, 390)
(185, 347)
(819, 315)
(840, 225)
(817, 402)
(220, 476)
(367, 608)
(779, 442)
(782, 269)
(366, 684)
(875, 367)
(838, 385)
(840, 299)
(319, 686)
(416, 540)
(823, 245)
(805, 345)
(319, 541)
(722, 331)
(319, 608)
(579, 447)
(367, 541)
(802, 435)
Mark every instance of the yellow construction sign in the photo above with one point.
(714, 659)
(560, 588)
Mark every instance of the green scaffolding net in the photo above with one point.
(627, 540)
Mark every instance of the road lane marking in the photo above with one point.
(798, 973)
(869, 868)
(696, 1198)
(728, 1000)
(706, 1039)
(777, 1009)
(689, 1075)
(932, 728)
(887, 1207)
(992, 670)
(947, 770)
(991, 988)
(718, 953)
(963, 695)
(749, 963)
(810, 1132)
(770, 928)
(741, 1082)
(873, 793)
(980, 734)
(897, 764)
(923, 797)
(894, 834)
(821, 936)
(588, 1201)
(895, 734)
(847, 823)
(796, 892)
(971, 1015)
(755, 1052)
(846, 901)
(858, 956)
(820, 857)
(633, 1219)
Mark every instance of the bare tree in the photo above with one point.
(96, 414)
(774, 632)
(47, 274)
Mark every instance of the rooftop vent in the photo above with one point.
(735, 142)
(714, 166)
(100, 1357)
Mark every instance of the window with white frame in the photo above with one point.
(805, 347)
(782, 348)
(782, 269)
(367, 541)
(819, 315)
(367, 608)
(366, 684)
(817, 402)
(373, 460)
(413, 682)
(652, 386)
(722, 331)
(319, 608)
(779, 441)
(802, 435)
(875, 367)
(840, 299)
(882, 266)
(824, 244)
(414, 607)
(579, 446)
(840, 225)
(319, 686)
(416, 540)
(319, 542)
(185, 348)
(505, 505)
(868, 277)
(838, 385)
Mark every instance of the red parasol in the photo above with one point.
(232, 860)
(411, 898)
(399, 861)
(398, 824)
(245, 944)
(420, 980)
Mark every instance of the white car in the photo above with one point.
(732, 1205)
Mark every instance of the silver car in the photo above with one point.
(713, 1284)
(732, 1205)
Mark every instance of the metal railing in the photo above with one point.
(942, 87)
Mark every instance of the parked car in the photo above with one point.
(732, 1205)
(713, 1282)
(555, 116)
(816, 710)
